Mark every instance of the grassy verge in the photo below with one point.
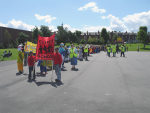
(13, 57)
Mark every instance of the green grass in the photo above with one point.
(133, 47)
(13, 57)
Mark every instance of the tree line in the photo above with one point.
(67, 36)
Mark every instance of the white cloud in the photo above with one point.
(93, 28)
(130, 22)
(138, 19)
(71, 28)
(53, 28)
(92, 6)
(4, 25)
(19, 25)
(46, 18)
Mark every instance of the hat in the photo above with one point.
(62, 44)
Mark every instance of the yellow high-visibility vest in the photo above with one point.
(72, 53)
(85, 50)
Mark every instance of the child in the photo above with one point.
(31, 62)
(57, 64)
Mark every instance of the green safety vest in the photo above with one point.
(109, 49)
(122, 49)
(113, 49)
(85, 50)
(20, 57)
(72, 53)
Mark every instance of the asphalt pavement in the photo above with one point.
(101, 85)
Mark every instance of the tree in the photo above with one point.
(82, 41)
(62, 35)
(22, 38)
(7, 39)
(104, 35)
(35, 33)
(114, 38)
(78, 36)
(45, 32)
(142, 35)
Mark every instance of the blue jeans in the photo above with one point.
(43, 68)
(58, 71)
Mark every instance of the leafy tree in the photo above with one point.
(35, 33)
(7, 39)
(22, 38)
(82, 41)
(142, 35)
(78, 36)
(114, 38)
(104, 35)
(62, 34)
(45, 31)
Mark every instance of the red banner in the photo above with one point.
(45, 48)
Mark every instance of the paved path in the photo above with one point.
(102, 85)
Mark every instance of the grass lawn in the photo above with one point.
(13, 57)
(133, 47)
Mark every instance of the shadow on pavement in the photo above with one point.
(54, 84)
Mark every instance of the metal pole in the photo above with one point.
(52, 71)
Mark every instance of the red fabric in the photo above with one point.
(31, 60)
(57, 58)
(45, 48)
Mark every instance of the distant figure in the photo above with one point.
(138, 48)
(122, 48)
(114, 51)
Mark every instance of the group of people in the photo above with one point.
(116, 49)
(62, 54)
(7, 54)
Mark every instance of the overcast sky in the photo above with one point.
(83, 15)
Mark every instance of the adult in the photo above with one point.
(114, 51)
(122, 48)
(86, 52)
(73, 57)
(20, 60)
(62, 52)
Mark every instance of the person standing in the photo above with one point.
(80, 53)
(31, 62)
(108, 50)
(114, 51)
(73, 57)
(62, 52)
(122, 50)
(20, 60)
(57, 65)
(86, 52)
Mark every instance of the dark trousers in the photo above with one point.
(122, 53)
(108, 54)
(31, 73)
(86, 56)
(114, 54)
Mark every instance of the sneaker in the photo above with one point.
(56, 80)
